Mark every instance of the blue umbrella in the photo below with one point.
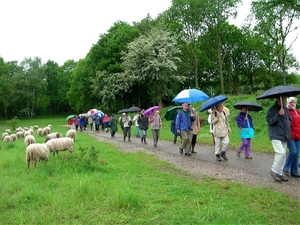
(190, 95)
(99, 113)
(212, 102)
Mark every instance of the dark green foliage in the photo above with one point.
(89, 159)
(13, 123)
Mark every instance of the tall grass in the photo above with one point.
(100, 185)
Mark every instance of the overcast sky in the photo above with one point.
(60, 30)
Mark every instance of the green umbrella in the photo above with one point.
(172, 112)
(69, 117)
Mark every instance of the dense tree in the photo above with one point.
(5, 87)
(275, 24)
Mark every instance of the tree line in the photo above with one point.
(190, 45)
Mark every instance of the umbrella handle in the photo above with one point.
(281, 102)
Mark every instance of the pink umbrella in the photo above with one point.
(149, 110)
(92, 111)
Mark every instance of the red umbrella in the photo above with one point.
(92, 111)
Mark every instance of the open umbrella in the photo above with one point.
(92, 111)
(149, 110)
(279, 91)
(251, 106)
(172, 112)
(85, 115)
(212, 102)
(123, 111)
(70, 116)
(134, 109)
(99, 113)
(190, 95)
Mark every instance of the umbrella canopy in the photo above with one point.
(85, 115)
(190, 95)
(149, 110)
(251, 106)
(212, 102)
(279, 91)
(99, 113)
(70, 116)
(134, 109)
(172, 112)
(92, 111)
(123, 111)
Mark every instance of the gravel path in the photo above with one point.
(253, 172)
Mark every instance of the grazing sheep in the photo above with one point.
(13, 137)
(71, 134)
(4, 134)
(7, 131)
(35, 127)
(25, 128)
(60, 144)
(31, 131)
(46, 131)
(27, 132)
(49, 125)
(40, 131)
(7, 139)
(53, 135)
(19, 129)
(36, 152)
(29, 139)
(20, 134)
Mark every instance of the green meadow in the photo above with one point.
(98, 184)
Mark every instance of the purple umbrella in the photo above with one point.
(149, 110)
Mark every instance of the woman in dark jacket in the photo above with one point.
(143, 124)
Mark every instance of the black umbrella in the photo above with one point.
(123, 111)
(251, 106)
(134, 109)
(279, 91)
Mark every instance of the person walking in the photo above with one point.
(291, 164)
(70, 123)
(184, 127)
(113, 124)
(81, 123)
(127, 122)
(105, 122)
(196, 129)
(211, 126)
(244, 120)
(97, 122)
(76, 122)
(221, 130)
(135, 120)
(155, 124)
(279, 130)
(173, 128)
(143, 125)
(90, 121)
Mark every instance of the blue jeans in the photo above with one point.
(137, 131)
(292, 161)
(144, 132)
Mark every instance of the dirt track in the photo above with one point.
(253, 172)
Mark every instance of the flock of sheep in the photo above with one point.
(35, 152)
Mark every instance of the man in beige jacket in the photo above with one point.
(196, 130)
(221, 129)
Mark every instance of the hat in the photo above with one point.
(123, 114)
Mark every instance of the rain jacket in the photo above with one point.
(242, 123)
(184, 120)
(278, 126)
(295, 124)
(143, 122)
(221, 125)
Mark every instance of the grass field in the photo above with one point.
(100, 185)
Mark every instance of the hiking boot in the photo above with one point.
(218, 157)
(142, 139)
(187, 154)
(248, 157)
(238, 154)
(284, 178)
(194, 152)
(275, 176)
(180, 151)
(223, 155)
(286, 173)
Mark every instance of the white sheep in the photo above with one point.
(71, 134)
(60, 144)
(29, 139)
(19, 129)
(35, 127)
(13, 137)
(46, 131)
(7, 139)
(4, 134)
(25, 128)
(20, 134)
(53, 135)
(31, 131)
(7, 131)
(26, 133)
(40, 131)
(36, 152)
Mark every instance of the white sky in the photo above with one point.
(60, 30)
